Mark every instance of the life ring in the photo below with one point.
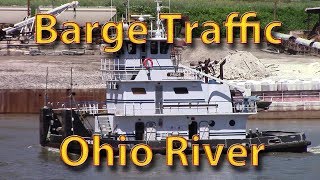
(148, 63)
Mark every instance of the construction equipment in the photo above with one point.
(24, 29)
(315, 31)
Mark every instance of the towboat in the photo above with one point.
(150, 95)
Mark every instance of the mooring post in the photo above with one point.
(45, 119)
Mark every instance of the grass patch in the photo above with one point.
(290, 13)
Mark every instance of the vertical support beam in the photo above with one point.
(45, 118)
(66, 123)
(275, 10)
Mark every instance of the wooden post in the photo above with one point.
(28, 4)
(275, 10)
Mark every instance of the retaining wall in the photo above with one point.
(31, 100)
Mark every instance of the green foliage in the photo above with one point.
(290, 13)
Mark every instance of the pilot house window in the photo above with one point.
(180, 90)
(131, 48)
(138, 90)
(164, 46)
(154, 47)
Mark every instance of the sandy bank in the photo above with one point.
(28, 72)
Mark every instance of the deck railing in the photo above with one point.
(140, 108)
(135, 109)
(114, 70)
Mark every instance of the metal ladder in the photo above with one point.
(105, 126)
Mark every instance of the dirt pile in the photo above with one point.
(244, 65)
(239, 64)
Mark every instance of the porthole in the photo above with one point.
(212, 123)
(232, 122)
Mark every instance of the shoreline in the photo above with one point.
(29, 101)
(23, 77)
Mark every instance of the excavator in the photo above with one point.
(314, 34)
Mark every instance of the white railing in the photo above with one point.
(117, 71)
(90, 108)
(87, 107)
(113, 70)
(137, 109)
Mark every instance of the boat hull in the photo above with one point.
(159, 147)
(50, 136)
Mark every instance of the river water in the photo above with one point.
(21, 157)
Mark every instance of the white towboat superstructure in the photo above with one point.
(150, 95)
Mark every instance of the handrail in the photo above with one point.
(134, 109)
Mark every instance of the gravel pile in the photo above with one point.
(239, 64)
(244, 65)
(29, 72)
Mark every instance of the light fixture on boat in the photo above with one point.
(232, 122)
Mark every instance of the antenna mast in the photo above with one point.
(158, 33)
(128, 11)
(71, 97)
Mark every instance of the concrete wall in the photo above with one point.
(281, 85)
(278, 115)
(12, 15)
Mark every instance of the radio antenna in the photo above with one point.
(71, 97)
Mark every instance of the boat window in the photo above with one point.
(143, 47)
(164, 46)
(232, 122)
(154, 47)
(131, 48)
(138, 90)
(181, 90)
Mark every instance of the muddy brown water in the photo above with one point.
(21, 157)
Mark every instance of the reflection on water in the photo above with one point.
(21, 157)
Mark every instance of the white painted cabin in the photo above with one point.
(151, 104)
